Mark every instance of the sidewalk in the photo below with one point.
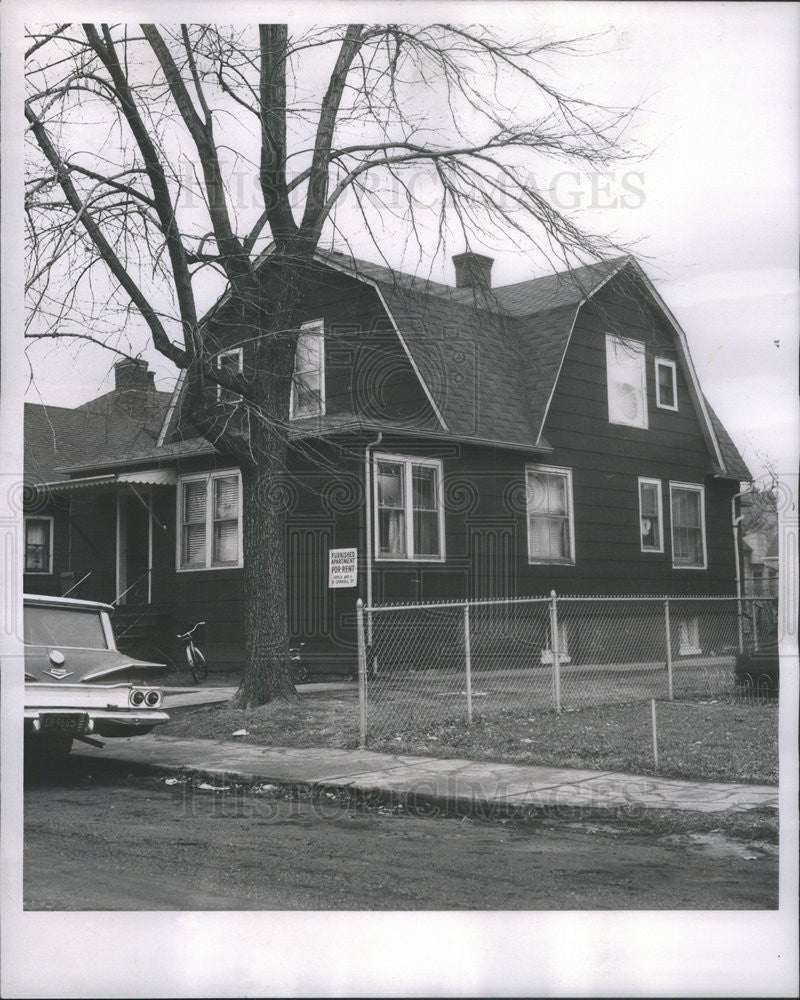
(459, 784)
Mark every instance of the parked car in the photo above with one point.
(78, 685)
(758, 672)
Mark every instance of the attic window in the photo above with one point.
(308, 384)
(627, 382)
(232, 360)
(666, 385)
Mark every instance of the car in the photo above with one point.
(78, 685)
(758, 672)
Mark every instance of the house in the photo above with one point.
(759, 531)
(468, 441)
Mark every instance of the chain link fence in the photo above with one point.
(425, 664)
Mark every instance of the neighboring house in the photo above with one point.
(759, 532)
(468, 441)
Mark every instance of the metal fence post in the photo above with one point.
(362, 676)
(754, 615)
(372, 656)
(668, 637)
(554, 644)
(468, 663)
(739, 626)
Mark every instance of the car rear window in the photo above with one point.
(64, 627)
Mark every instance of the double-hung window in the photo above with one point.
(651, 535)
(627, 381)
(232, 360)
(209, 514)
(38, 545)
(687, 509)
(551, 534)
(409, 522)
(308, 383)
(666, 384)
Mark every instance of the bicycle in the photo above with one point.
(299, 669)
(195, 660)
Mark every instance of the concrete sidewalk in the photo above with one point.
(461, 784)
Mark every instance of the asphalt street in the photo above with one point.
(101, 837)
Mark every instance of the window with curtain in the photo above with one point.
(650, 533)
(549, 506)
(210, 513)
(308, 383)
(38, 544)
(688, 526)
(627, 381)
(409, 511)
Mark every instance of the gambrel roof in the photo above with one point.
(489, 359)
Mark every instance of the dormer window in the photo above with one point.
(627, 381)
(308, 383)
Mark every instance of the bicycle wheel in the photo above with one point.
(200, 668)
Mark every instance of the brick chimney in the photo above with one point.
(131, 373)
(473, 270)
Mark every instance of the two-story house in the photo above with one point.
(466, 440)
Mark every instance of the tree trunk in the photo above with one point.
(267, 666)
(267, 670)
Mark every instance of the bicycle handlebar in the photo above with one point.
(192, 630)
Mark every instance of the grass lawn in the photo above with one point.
(707, 740)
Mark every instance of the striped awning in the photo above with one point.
(139, 477)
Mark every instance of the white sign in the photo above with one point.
(342, 567)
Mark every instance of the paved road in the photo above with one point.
(97, 837)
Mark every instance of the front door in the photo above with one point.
(133, 551)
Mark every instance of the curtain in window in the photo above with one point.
(391, 509)
(226, 520)
(548, 516)
(37, 546)
(194, 523)
(651, 515)
(627, 400)
(687, 528)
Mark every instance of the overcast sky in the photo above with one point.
(713, 208)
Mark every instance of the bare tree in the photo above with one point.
(140, 141)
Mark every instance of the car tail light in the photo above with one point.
(153, 698)
(137, 698)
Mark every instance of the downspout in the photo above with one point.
(368, 500)
(368, 523)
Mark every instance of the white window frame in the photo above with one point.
(666, 363)
(567, 474)
(316, 325)
(644, 481)
(696, 488)
(208, 478)
(39, 572)
(634, 347)
(409, 461)
(237, 352)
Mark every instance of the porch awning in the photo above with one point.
(140, 477)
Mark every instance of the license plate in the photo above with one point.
(75, 724)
